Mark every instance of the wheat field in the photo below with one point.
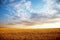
(29, 34)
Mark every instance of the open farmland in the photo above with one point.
(29, 34)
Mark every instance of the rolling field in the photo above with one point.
(29, 34)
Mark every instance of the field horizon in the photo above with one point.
(29, 34)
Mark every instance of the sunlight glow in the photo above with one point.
(47, 25)
(37, 26)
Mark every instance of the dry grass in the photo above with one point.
(29, 34)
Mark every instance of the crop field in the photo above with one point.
(29, 34)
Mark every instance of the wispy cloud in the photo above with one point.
(23, 11)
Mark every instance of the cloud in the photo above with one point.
(50, 9)
(23, 11)
(28, 6)
(18, 11)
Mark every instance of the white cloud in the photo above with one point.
(19, 9)
(58, 6)
(28, 5)
(23, 6)
(48, 8)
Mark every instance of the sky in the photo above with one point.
(23, 11)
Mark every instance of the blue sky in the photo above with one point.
(17, 10)
(37, 4)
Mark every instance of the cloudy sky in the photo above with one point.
(29, 11)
